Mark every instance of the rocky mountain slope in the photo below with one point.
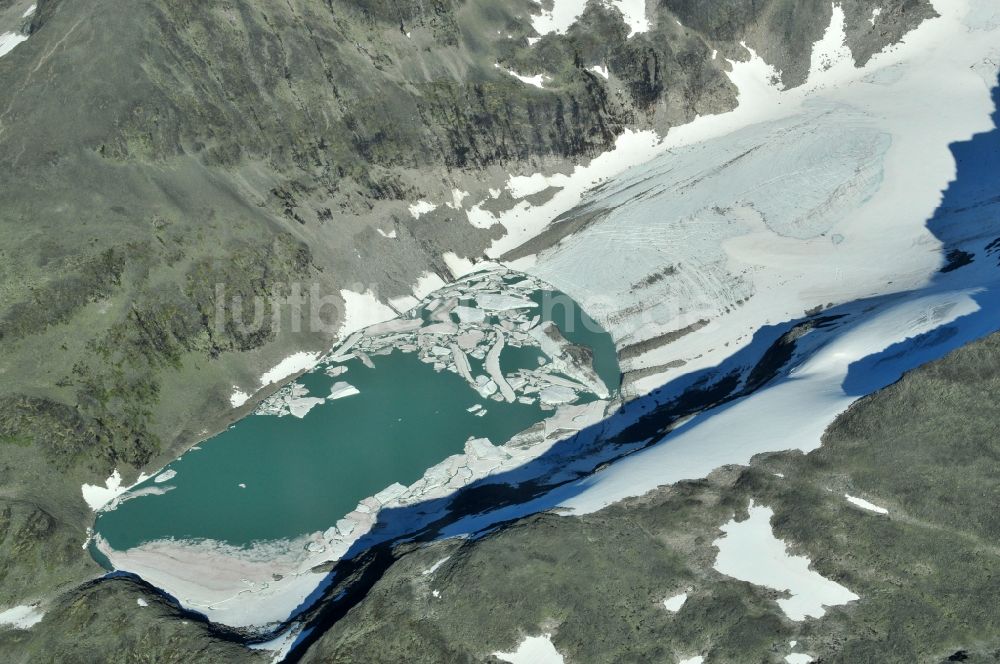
(597, 583)
(159, 159)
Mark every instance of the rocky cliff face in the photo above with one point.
(158, 159)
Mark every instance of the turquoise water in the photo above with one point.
(300, 475)
(582, 330)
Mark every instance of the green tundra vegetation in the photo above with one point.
(925, 449)
(158, 156)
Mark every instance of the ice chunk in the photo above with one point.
(493, 369)
(395, 325)
(341, 389)
(166, 475)
(390, 493)
(557, 394)
(470, 314)
(500, 302)
(485, 386)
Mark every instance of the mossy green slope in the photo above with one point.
(927, 573)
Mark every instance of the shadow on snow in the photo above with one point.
(967, 222)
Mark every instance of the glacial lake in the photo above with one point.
(269, 478)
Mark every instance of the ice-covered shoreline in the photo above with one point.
(262, 584)
(792, 273)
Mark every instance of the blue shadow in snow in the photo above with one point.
(968, 224)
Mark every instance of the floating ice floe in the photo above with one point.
(449, 335)
(165, 476)
(557, 394)
(341, 389)
(750, 552)
(292, 400)
(141, 602)
(501, 302)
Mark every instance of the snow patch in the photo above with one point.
(98, 497)
(675, 603)
(421, 208)
(831, 60)
(238, 397)
(362, 310)
(564, 14)
(9, 40)
(634, 12)
(533, 650)
(750, 552)
(21, 617)
(457, 196)
(864, 504)
(537, 80)
(282, 644)
(433, 568)
(165, 476)
(289, 366)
